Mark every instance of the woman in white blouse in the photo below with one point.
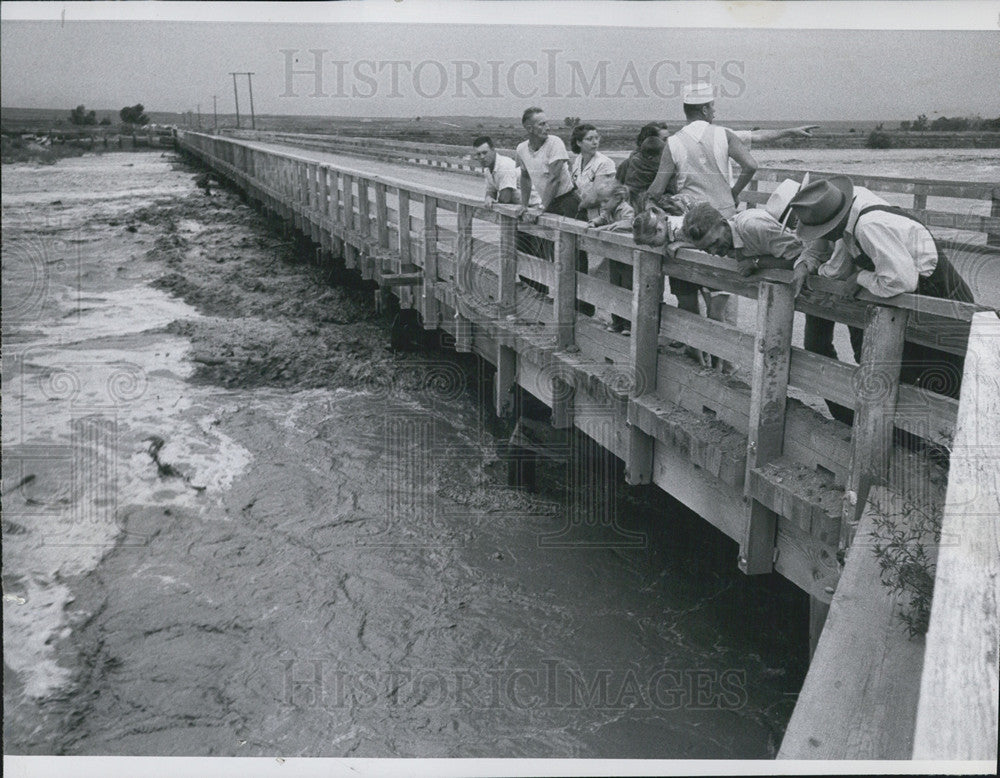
(590, 170)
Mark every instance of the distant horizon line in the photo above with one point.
(512, 117)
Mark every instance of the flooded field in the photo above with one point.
(237, 523)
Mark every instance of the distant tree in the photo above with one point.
(105, 121)
(852, 130)
(921, 123)
(944, 124)
(905, 126)
(134, 114)
(82, 116)
(878, 139)
(571, 121)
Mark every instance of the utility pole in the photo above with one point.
(253, 122)
(215, 110)
(236, 95)
(199, 116)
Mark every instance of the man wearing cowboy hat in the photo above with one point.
(885, 250)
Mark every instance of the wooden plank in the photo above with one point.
(402, 279)
(507, 269)
(564, 291)
(506, 377)
(993, 238)
(463, 286)
(326, 207)
(921, 412)
(382, 215)
(349, 202)
(562, 403)
(720, 505)
(538, 270)
(713, 446)
(717, 338)
(405, 248)
(647, 292)
(605, 296)
(878, 388)
(429, 305)
(363, 209)
(766, 430)
(340, 190)
(959, 689)
(859, 698)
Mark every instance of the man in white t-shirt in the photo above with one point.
(544, 167)
(501, 174)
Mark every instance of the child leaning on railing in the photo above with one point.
(616, 212)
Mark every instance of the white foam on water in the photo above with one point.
(93, 386)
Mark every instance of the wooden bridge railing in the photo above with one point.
(786, 483)
(954, 202)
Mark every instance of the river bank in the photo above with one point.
(254, 529)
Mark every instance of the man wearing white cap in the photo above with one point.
(699, 108)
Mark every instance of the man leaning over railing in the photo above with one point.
(887, 251)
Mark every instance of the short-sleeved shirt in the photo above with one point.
(507, 175)
(756, 233)
(584, 176)
(536, 163)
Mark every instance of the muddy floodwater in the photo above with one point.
(236, 522)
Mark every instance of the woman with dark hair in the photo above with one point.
(590, 170)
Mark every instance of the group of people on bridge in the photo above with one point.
(681, 187)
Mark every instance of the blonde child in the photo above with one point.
(616, 212)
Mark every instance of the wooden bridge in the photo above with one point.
(750, 452)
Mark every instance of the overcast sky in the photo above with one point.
(596, 72)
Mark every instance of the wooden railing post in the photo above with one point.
(766, 432)
(349, 203)
(335, 211)
(366, 259)
(647, 294)
(507, 270)
(876, 387)
(337, 200)
(564, 294)
(382, 215)
(463, 277)
(350, 236)
(325, 234)
(429, 303)
(313, 195)
(363, 209)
